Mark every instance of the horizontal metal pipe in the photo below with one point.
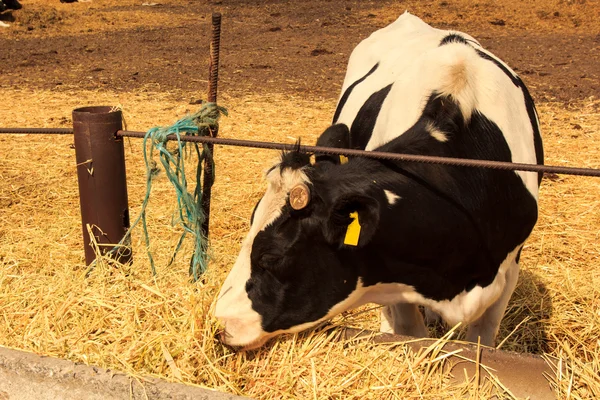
(346, 152)
(40, 131)
(382, 155)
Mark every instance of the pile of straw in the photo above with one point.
(123, 318)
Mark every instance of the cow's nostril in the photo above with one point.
(221, 335)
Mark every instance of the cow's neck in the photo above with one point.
(422, 240)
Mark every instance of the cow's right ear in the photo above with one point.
(337, 136)
(352, 221)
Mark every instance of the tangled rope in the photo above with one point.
(189, 204)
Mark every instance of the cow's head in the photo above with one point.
(294, 269)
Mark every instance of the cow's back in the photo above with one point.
(393, 73)
(377, 60)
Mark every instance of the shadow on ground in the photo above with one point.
(523, 328)
(527, 314)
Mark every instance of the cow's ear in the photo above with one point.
(338, 136)
(352, 221)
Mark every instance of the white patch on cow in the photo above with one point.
(436, 133)
(391, 197)
(457, 76)
(243, 325)
(449, 70)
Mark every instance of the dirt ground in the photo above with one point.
(282, 66)
(298, 48)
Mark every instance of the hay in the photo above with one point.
(123, 318)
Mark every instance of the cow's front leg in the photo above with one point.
(486, 327)
(403, 319)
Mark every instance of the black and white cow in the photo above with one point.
(448, 238)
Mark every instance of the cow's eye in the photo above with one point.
(268, 260)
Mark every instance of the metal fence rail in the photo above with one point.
(40, 131)
(556, 169)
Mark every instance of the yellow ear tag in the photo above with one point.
(343, 159)
(353, 232)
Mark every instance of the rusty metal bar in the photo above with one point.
(523, 374)
(40, 131)
(213, 79)
(213, 62)
(351, 152)
(462, 162)
(102, 182)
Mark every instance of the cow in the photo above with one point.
(331, 234)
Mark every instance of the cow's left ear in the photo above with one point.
(352, 221)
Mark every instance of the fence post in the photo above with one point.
(102, 183)
(213, 78)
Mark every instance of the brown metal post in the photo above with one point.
(102, 183)
(213, 78)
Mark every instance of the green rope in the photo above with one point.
(189, 205)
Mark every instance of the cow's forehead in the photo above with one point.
(280, 182)
(284, 179)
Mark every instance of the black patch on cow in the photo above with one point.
(362, 127)
(537, 137)
(296, 276)
(347, 93)
(453, 38)
(458, 228)
(487, 256)
(471, 285)
(11, 5)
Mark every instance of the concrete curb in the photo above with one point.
(28, 376)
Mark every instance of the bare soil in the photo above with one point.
(298, 48)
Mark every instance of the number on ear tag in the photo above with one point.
(353, 232)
